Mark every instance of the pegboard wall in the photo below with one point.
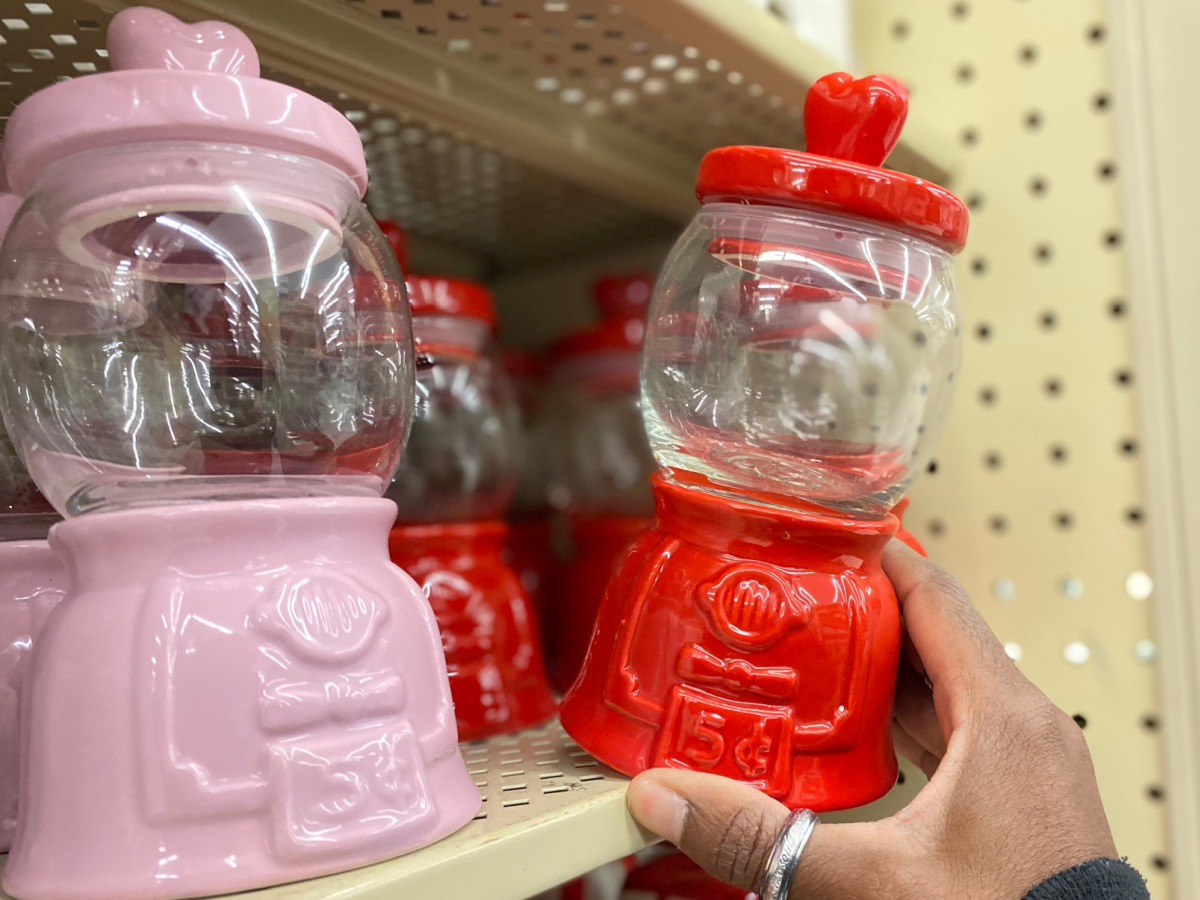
(1035, 500)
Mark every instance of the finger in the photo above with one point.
(728, 829)
(915, 712)
(954, 642)
(911, 749)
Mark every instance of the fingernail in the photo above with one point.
(657, 808)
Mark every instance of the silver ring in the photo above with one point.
(785, 855)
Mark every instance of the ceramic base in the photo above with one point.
(232, 695)
(489, 628)
(32, 581)
(748, 641)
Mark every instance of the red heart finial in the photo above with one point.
(857, 120)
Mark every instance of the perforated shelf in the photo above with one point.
(550, 813)
(520, 131)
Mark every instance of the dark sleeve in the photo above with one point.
(1098, 879)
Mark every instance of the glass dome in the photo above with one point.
(604, 463)
(462, 455)
(800, 355)
(189, 321)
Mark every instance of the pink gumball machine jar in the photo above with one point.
(800, 357)
(32, 580)
(604, 463)
(453, 489)
(239, 688)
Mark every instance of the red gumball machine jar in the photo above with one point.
(605, 462)
(531, 545)
(800, 356)
(453, 487)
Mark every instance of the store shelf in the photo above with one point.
(550, 813)
(521, 131)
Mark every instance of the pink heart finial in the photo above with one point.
(145, 38)
(857, 120)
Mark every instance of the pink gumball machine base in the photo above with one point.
(233, 695)
(32, 581)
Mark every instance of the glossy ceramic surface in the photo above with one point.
(675, 877)
(600, 546)
(747, 641)
(488, 624)
(32, 582)
(233, 695)
(177, 81)
(850, 127)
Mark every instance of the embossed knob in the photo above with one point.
(145, 38)
(856, 120)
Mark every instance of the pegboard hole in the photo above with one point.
(1123, 377)
(1160, 862)
(988, 396)
(1096, 34)
(965, 72)
(970, 137)
(1013, 651)
(998, 524)
(1004, 589)
(1116, 309)
(1064, 520)
(1112, 239)
(975, 202)
(900, 777)
(1058, 453)
(1150, 722)
(1106, 170)
(1128, 447)
(1048, 320)
(979, 265)
(983, 331)
(1033, 120)
(391, 14)
(1134, 515)
(993, 460)
(960, 10)
(1101, 102)
(1080, 720)
(932, 468)
(1155, 792)
(1139, 585)
(1038, 186)
(1043, 252)
(1028, 53)
(1053, 387)
(900, 29)
(937, 527)
(1071, 587)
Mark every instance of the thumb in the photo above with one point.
(728, 829)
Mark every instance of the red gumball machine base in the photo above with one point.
(750, 641)
(489, 628)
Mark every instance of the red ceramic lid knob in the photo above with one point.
(857, 120)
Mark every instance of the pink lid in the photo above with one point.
(173, 81)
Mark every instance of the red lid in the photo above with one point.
(394, 235)
(850, 127)
(617, 334)
(623, 296)
(523, 364)
(434, 296)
